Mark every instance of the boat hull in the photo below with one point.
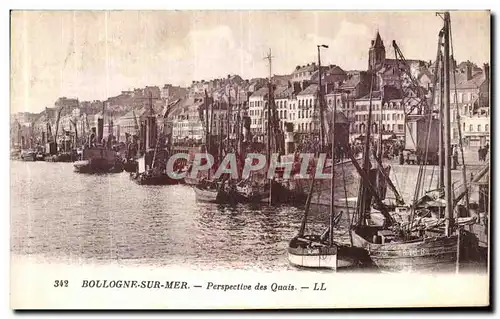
(212, 196)
(312, 252)
(426, 254)
(313, 258)
(131, 166)
(162, 179)
(89, 167)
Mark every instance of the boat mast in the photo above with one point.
(227, 120)
(269, 57)
(379, 148)
(320, 95)
(380, 120)
(447, 128)
(441, 122)
(362, 207)
(207, 129)
(332, 185)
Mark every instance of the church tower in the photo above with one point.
(376, 55)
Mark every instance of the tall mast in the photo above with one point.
(447, 128)
(380, 120)
(362, 206)
(441, 123)
(228, 116)
(332, 186)
(320, 96)
(269, 57)
(207, 129)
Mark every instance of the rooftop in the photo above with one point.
(310, 90)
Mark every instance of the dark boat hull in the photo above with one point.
(97, 168)
(162, 179)
(131, 166)
(64, 157)
(426, 254)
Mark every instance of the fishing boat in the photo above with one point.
(213, 192)
(130, 165)
(396, 247)
(248, 192)
(98, 160)
(152, 177)
(321, 250)
(28, 155)
(151, 169)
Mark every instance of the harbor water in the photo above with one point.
(59, 215)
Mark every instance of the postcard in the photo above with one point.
(249, 159)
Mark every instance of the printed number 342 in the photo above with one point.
(60, 283)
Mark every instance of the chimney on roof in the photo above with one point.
(229, 76)
(486, 70)
(296, 88)
(468, 70)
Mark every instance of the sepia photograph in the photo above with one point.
(249, 159)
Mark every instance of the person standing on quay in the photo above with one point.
(480, 153)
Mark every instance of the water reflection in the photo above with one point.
(60, 214)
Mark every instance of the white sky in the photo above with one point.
(96, 54)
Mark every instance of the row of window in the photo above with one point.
(376, 107)
(478, 126)
(376, 117)
(361, 128)
(461, 97)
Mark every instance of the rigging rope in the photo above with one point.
(464, 172)
(422, 171)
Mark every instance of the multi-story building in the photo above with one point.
(257, 110)
(282, 97)
(307, 119)
(387, 113)
(304, 72)
(470, 97)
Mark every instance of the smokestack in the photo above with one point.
(468, 70)
(486, 70)
(296, 87)
(100, 129)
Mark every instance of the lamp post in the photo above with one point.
(321, 115)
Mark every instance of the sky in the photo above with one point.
(96, 54)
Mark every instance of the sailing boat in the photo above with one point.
(389, 246)
(154, 163)
(321, 251)
(208, 190)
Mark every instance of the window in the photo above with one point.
(471, 128)
(479, 127)
(486, 127)
(284, 113)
